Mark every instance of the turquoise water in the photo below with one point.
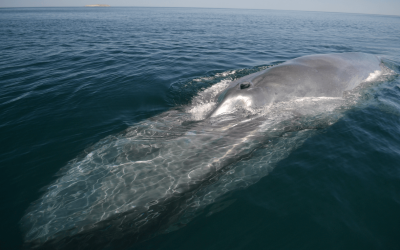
(70, 77)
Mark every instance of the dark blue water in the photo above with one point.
(71, 76)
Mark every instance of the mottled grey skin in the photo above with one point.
(308, 76)
(135, 184)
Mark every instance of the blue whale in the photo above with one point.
(131, 185)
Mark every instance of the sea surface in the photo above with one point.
(70, 77)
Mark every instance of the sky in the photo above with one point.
(385, 7)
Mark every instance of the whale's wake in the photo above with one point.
(158, 174)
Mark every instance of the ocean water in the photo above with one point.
(72, 78)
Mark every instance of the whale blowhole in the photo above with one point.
(245, 85)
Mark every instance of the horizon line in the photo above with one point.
(83, 6)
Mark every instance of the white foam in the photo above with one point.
(204, 101)
(373, 76)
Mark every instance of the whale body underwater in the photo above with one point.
(133, 185)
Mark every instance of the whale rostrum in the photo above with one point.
(130, 186)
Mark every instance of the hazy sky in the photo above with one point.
(389, 7)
